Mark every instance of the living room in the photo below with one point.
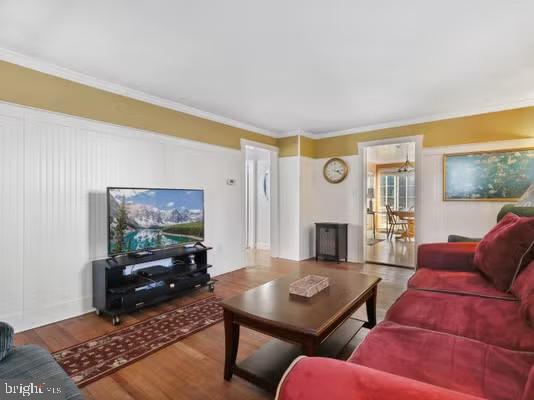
(133, 267)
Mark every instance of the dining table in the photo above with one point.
(409, 217)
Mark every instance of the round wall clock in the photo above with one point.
(335, 170)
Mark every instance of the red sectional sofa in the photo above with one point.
(451, 335)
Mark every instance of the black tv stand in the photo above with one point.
(119, 289)
(140, 254)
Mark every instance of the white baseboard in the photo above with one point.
(50, 314)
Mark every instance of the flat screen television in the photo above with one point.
(149, 219)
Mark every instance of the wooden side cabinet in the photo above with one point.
(330, 241)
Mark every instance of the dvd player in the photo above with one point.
(151, 272)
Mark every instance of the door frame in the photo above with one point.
(274, 195)
(419, 170)
(250, 203)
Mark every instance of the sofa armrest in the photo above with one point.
(314, 378)
(447, 256)
(34, 363)
(517, 210)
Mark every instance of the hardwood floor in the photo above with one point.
(393, 252)
(193, 367)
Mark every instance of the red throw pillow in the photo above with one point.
(523, 288)
(505, 249)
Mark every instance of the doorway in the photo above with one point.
(390, 207)
(258, 198)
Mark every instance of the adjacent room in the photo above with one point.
(391, 192)
(267, 200)
(258, 203)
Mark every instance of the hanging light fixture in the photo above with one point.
(407, 166)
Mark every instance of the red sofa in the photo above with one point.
(450, 335)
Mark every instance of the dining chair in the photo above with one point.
(394, 223)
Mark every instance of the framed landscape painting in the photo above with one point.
(502, 175)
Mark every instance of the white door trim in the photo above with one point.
(246, 142)
(362, 147)
(250, 203)
(274, 195)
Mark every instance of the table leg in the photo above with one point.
(231, 337)
(310, 347)
(411, 228)
(371, 309)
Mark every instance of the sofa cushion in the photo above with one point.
(453, 362)
(505, 249)
(492, 321)
(6, 340)
(523, 288)
(459, 282)
(515, 208)
(317, 378)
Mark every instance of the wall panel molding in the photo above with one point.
(11, 217)
(54, 170)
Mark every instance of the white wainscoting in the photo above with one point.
(54, 170)
(289, 185)
(11, 218)
(307, 209)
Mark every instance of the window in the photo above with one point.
(388, 187)
(406, 185)
(397, 190)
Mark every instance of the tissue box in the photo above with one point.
(309, 285)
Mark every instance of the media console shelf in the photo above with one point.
(119, 287)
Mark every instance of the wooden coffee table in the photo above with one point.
(316, 326)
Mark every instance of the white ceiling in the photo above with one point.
(299, 65)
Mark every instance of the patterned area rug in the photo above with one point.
(96, 358)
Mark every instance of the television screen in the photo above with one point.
(145, 219)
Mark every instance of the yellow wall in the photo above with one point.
(502, 125)
(28, 87)
(288, 146)
(35, 89)
(307, 146)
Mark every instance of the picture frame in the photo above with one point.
(494, 175)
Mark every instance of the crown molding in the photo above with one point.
(529, 102)
(65, 73)
(298, 132)
(484, 146)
